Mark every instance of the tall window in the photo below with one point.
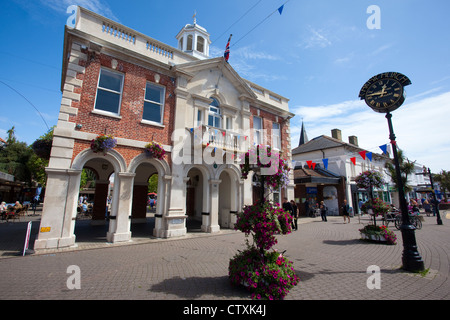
(200, 44)
(181, 43)
(257, 130)
(153, 103)
(189, 42)
(214, 114)
(109, 91)
(276, 141)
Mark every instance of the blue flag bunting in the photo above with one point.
(369, 155)
(280, 9)
(384, 148)
(325, 163)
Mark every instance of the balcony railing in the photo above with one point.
(224, 139)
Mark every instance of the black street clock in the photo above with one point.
(384, 92)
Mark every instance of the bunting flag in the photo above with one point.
(363, 154)
(309, 162)
(325, 163)
(280, 9)
(223, 133)
(384, 148)
(227, 49)
(353, 160)
(369, 155)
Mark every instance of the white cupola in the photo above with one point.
(194, 40)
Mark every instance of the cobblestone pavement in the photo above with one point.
(329, 258)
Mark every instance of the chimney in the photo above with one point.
(336, 134)
(353, 140)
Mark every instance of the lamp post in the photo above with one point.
(384, 93)
(435, 203)
(412, 261)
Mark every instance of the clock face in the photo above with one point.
(384, 95)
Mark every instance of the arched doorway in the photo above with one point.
(227, 199)
(195, 202)
(142, 216)
(146, 222)
(109, 219)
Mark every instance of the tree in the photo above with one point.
(41, 154)
(153, 183)
(444, 180)
(14, 158)
(406, 168)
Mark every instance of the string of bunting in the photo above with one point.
(364, 154)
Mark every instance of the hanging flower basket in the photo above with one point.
(378, 206)
(369, 179)
(154, 150)
(103, 143)
(274, 181)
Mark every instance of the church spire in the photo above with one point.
(303, 136)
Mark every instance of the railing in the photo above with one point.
(108, 30)
(221, 138)
(118, 32)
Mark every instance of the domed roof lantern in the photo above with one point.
(194, 40)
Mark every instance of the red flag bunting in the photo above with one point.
(353, 160)
(363, 154)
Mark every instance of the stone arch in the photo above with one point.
(204, 188)
(163, 170)
(114, 157)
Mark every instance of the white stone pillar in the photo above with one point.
(120, 219)
(59, 211)
(214, 212)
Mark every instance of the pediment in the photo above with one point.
(215, 73)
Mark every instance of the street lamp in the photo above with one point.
(435, 203)
(384, 93)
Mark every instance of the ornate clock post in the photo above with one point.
(384, 93)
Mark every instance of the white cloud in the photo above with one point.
(317, 38)
(421, 127)
(246, 60)
(98, 6)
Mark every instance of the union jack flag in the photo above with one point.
(227, 49)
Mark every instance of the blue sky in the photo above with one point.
(316, 53)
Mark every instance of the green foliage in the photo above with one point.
(406, 168)
(153, 183)
(14, 158)
(444, 180)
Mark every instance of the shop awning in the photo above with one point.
(319, 176)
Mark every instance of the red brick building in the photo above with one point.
(119, 82)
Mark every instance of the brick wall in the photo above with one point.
(268, 118)
(129, 126)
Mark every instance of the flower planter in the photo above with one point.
(373, 237)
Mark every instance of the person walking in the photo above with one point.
(288, 207)
(346, 211)
(294, 215)
(323, 211)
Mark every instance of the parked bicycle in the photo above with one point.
(414, 219)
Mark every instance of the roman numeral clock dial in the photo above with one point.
(384, 92)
